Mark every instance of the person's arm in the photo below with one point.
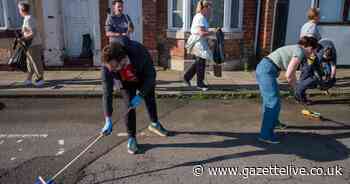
(107, 98)
(334, 71)
(291, 71)
(334, 63)
(203, 32)
(130, 25)
(109, 29)
(112, 34)
(29, 29)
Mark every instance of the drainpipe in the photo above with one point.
(257, 27)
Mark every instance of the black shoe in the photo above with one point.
(202, 87)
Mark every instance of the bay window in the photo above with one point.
(9, 16)
(226, 14)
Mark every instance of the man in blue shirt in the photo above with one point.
(118, 25)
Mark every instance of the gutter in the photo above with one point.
(257, 27)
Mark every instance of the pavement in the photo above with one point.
(205, 135)
(169, 83)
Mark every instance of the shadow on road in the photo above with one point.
(2, 106)
(304, 145)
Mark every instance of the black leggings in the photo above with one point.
(151, 105)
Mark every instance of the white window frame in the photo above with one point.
(7, 17)
(5, 7)
(186, 27)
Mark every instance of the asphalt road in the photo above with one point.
(39, 136)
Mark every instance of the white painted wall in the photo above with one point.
(53, 40)
(56, 29)
(340, 35)
(296, 19)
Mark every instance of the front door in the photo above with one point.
(77, 22)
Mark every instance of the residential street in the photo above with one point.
(38, 136)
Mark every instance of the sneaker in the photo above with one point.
(269, 141)
(27, 83)
(280, 125)
(187, 83)
(132, 146)
(158, 129)
(202, 87)
(39, 83)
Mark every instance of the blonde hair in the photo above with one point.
(202, 4)
(313, 13)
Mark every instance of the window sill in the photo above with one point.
(334, 23)
(7, 34)
(182, 35)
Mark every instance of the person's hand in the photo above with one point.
(125, 34)
(108, 128)
(135, 102)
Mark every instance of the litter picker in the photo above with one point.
(40, 180)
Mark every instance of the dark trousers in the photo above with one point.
(151, 105)
(198, 67)
(307, 81)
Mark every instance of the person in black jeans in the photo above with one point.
(131, 66)
(198, 68)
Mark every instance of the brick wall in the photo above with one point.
(4, 56)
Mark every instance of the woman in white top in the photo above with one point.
(197, 44)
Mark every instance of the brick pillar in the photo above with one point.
(103, 16)
(150, 24)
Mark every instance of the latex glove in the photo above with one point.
(135, 102)
(108, 128)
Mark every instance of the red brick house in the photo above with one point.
(252, 28)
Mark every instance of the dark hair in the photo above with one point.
(113, 51)
(25, 7)
(307, 41)
(117, 1)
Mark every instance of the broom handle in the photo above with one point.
(77, 157)
(82, 153)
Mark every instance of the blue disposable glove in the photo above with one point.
(135, 102)
(108, 128)
(48, 182)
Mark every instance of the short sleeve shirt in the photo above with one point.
(198, 21)
(29, 24)
(282, 56)
(117, 24)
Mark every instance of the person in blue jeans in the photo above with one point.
(131, 68)
(286, 58)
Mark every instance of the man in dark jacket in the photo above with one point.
(131, 67)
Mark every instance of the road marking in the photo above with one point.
(60, 151)
(23, 136)
(61, 142)
(2, 142)
(19, 141)
(13, 158)
(122, 134)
